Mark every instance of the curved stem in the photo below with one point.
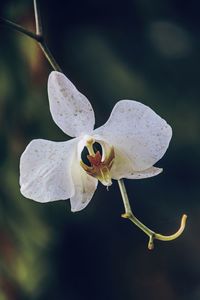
(151, 234)
(176, 234)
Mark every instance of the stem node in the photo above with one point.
(126, 215)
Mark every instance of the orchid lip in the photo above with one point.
(99, 167)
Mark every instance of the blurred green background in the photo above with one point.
(111, 50)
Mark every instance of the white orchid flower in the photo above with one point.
(127, 146)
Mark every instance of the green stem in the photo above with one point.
(124, 196)
(151, 234)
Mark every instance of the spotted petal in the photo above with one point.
(45, 170)
(70, 110)
(138, 132)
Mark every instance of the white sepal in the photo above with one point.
(70, 109)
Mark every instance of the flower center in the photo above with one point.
(95, 164)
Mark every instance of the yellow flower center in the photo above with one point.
(99, 167)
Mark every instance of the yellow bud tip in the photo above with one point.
(150, 246)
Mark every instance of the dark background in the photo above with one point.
(111, 50)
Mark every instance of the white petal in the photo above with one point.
(84, 184)
(45, 170)
(137, 132)
(122, 168)
(70, 110)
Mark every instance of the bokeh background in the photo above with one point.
(111, 50)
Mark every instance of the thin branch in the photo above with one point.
(38, 22)
(152, 235)
(50, 57)
(12, 25)
(42, 44)
(38, 37)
